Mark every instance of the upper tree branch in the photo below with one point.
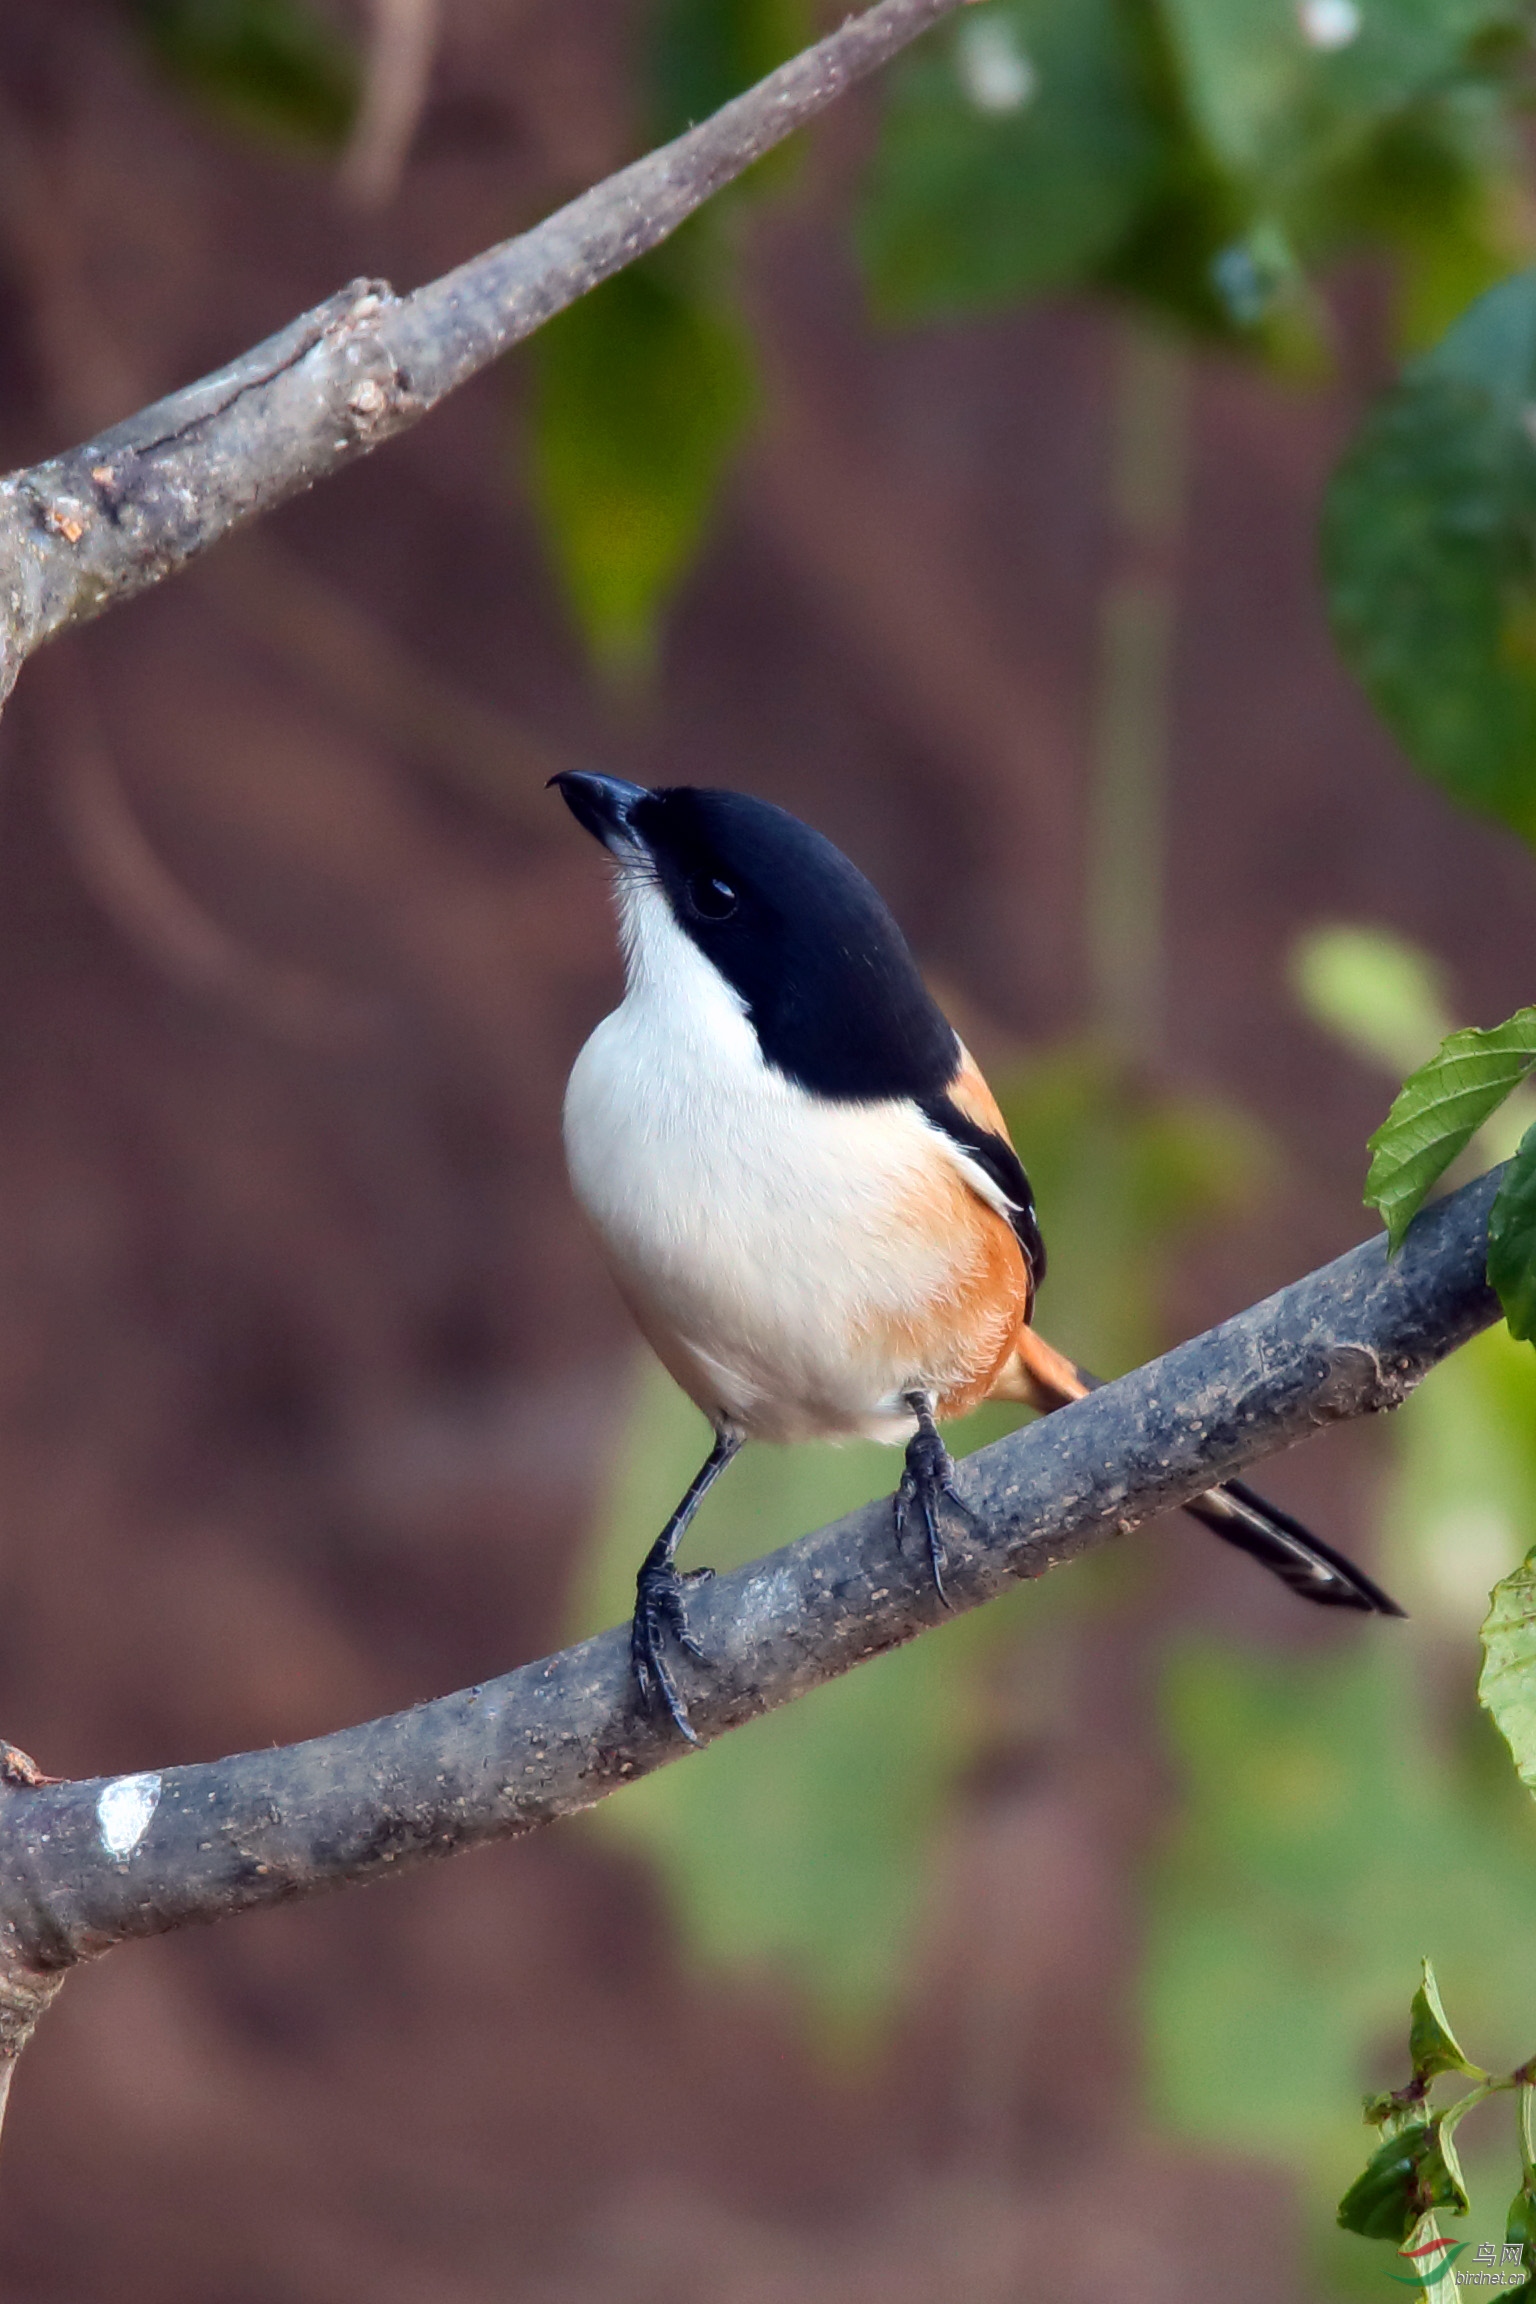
(83, 1865)
(103, 521)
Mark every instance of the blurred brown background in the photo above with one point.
(308, 1369)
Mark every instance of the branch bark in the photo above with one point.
(87, 1864)
(105, 520)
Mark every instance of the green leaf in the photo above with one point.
(1429, 548)
(642, 391)
(1432, 2045)
(1015, 152)
(1507, 1685)
(278, 68)
(1408, 2175)
(1432, 2257)
(1520, 2224)
(1438, 1111)
(1512, 1240)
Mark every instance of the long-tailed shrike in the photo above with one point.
(803, 1185)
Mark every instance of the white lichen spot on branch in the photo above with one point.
(124, 1809)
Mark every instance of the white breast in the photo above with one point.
(757, 1231)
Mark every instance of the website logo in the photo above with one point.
(1434, 2265)
(1433, 2260)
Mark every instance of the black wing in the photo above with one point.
(997, 1157)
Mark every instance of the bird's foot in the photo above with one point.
(929, 1481)
(659, 1610)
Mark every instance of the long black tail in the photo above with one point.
(1311, 1568)
(1047, 1379)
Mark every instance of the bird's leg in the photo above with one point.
(928, 1479)
(659, 1590)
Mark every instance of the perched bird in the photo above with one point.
(803, 1186)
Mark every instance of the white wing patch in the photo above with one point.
(984, 1186)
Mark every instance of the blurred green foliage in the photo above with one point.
(1460, 1504)
(701, 53)
(645, 390)
(1350, 124)
(1508, 1683)
(1379, 994)
(798, 1845)
(641, 393)
(1429, 543)
(1205, 156)
(1347, 1811)
(1386, 1000)
(1512, 1241)
(1124, 1174)
(1324, 1841)
(1520, 2225)
(804, 1844)
(277, 68)
(1016, 155)
(1328, 1835)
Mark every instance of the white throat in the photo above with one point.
(675, 999)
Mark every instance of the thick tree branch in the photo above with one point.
(105, 520)
(84, 1865)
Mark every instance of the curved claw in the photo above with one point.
(928, 1477)
(659, 1610)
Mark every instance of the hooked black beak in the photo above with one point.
(603, 805)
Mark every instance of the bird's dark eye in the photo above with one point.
(710, 898)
